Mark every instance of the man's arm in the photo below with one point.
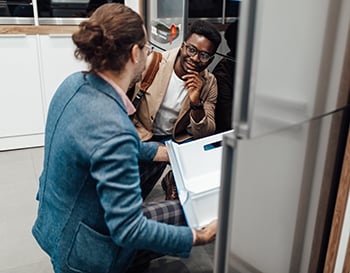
(153, 151)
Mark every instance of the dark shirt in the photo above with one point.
(224, 73)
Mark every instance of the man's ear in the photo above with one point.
(135, 53)
(182, 45)
(210, 61)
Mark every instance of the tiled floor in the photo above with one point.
(19, 253)
(19, 172)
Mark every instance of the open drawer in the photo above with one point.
(196, 166)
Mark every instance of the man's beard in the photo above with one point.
(137, 78)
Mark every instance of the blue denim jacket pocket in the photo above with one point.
(91, 252)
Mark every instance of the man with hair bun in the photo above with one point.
(91, 216)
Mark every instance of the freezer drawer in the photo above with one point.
(197, 168)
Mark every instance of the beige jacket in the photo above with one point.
(150, 103)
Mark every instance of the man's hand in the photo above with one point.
(193, 84)
(162, 154)
(206, 234)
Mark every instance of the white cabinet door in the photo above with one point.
(58, 61)
(21, 107)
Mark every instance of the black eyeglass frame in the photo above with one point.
(150, 49)
(203, 56)
(148, 46)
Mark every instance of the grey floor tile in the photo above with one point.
(16, 167)
(200, 261)
(18, 210)
(37, 156)
(41, 266)
(14, 155)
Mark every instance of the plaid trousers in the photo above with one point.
(167, 211)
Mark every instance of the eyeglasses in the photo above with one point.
(193, 51)
(149, 49)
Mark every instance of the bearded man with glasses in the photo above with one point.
(180, 103)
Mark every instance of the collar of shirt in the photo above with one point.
(128, 104)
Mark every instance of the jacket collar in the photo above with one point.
(104, 87)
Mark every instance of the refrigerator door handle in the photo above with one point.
(242, 90)
(225, 197)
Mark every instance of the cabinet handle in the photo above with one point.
(60, 35)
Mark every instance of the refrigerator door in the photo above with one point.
(289, 92)
(270, 192)
(289, 62)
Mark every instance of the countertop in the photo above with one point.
(32, 30)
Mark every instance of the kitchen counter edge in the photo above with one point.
(33, 30)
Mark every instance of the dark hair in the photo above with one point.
(104, 40)
(206, 29)
(231, 36)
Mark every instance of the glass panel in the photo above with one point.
(205, 9)
(70, 8)
(16, 8)
(212, 10)
(232, 9)
(16, 12)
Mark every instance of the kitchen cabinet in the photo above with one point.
(57, 62)
(21, 105)
(32, 66)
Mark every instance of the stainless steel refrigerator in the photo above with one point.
(290, 111)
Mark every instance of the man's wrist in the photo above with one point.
(199, 237)
(196, 106)
(194, 236)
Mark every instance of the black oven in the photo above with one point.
(216, 11)
(68, 9)
(16, 12)
(49, 12)
(222, 11)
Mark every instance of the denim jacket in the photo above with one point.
(89, 217)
